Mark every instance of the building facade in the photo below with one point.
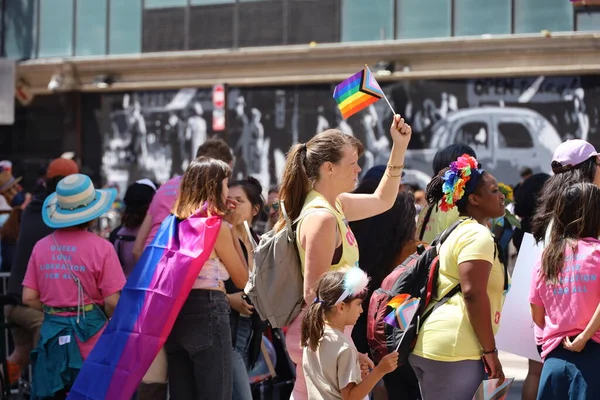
(127, 84)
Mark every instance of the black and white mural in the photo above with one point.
(510, 122)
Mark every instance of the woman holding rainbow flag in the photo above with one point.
(317, 179)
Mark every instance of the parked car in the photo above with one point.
(504, 138)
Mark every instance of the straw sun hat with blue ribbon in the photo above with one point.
(75, 202)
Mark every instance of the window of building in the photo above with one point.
(417, 21)
(90, 39)
(533, 16)
(588, 20)
(211, 2)
(19, 20)
(56, 28)
(514, 135)
(164, 3)
(478, 17)
(125, 32)
(367, 20)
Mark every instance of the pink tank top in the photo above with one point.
(213, 272)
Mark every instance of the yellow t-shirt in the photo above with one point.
(349, 245)
(438, 222)
(447, 335)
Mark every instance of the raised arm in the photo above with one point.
(361, 206)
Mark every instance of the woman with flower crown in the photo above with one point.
(456, 346)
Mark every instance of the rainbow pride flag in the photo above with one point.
(149, 304)
(357, 92)
(404, 309)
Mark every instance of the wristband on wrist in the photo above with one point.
(495, 351)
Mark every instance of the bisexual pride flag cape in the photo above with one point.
(149, 304)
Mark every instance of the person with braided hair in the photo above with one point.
(456, 345)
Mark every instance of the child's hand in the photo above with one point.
(388, 363)
(366, 364)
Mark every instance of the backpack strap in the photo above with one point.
(426, 221)
(455, 290)
(441, 238)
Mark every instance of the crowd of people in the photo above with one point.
(65, 281)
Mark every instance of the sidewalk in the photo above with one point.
(514, 367)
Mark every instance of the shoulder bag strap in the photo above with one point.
(267, 358)
(426, 221)
(250, 236)
(80, 289)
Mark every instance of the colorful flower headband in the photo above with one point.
(461, 171)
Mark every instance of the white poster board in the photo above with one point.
(7, 91)
(516, 334)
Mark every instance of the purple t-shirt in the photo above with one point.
(124, 249)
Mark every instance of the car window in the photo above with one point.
(437, 134)
(475, 134)
(514, 135)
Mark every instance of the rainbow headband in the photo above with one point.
(462, 173)
(355, 283)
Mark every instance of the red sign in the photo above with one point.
(218, 97)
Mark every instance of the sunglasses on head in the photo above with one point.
(273, 206)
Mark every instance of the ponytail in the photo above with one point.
(295, 184)
(313, 325)
(302, 168)
(434, 192)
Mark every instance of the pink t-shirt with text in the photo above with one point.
(161, 205)
(93, 261)
(571, 303)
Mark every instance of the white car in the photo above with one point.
(504, 139)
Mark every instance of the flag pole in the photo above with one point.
(388, 102)
(384, 96)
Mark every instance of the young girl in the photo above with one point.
(565, 297)
(330, 360)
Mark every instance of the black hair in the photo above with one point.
(253, 190)
(435, 193)
(137, 199)
(445, 156)
(381, 238)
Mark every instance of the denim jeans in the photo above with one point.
(199, 348)
(240, 362)
(567, 375)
